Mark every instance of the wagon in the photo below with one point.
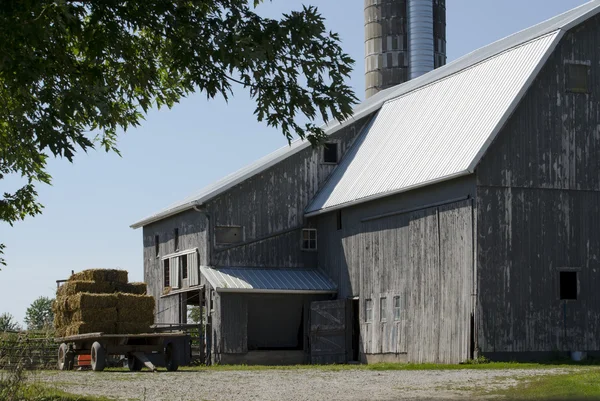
(149, 350)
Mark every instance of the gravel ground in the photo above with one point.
(293, 385)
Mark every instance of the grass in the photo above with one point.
(43, 393)
(577, 385)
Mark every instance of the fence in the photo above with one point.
(29, 350)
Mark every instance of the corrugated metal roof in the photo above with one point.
(562, 22)
(258, 280)
(435, 132)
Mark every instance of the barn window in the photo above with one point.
(578, 78)
(330, 153)
(228, 235)
(368, 310)
(338, 217)
(568, 285)
(309, 239)
(383, 309)
(183, 265)
(397, 308)
(166, 274)
(176, 235)
(156, 245)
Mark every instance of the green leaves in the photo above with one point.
(39, 315)
(69, 68)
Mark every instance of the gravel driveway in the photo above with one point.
(293, 385)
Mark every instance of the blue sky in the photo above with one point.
(92, 202)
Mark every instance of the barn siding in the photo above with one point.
(192, 234)
(425, 257)
(538, 196)
(270, 208)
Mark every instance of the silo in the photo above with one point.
(403, 40)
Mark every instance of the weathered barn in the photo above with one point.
(453, 215)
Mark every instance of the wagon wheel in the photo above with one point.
(134, 364)
(66, 357)
(98, 356)
(171, 362)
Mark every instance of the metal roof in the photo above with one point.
(435, 132)
(558, 24)
(260, 280)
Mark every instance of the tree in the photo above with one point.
(194, 314)
(39, 315)
(74, 72)
(8, 323)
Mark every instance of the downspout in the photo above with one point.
(207, 298)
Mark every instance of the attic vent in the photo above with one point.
(227, 235)
(330, 153)
(577, 80)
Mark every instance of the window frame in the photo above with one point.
(176, 239)
(368, 310)
(316, 239)
(156, 246)
(226, 244)
(183, 266)
(337, 153)
(166, 266)
(397, 308)
(568, 76)
(383, 309)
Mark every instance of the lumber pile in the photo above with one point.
(102, 301)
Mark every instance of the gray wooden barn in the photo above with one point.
(454, 215)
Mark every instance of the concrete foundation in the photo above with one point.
(384, 358)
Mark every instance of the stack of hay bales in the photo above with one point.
(102, 301)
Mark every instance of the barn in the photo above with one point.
(452, 216)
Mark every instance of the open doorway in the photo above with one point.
(355, 330)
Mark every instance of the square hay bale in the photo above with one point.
(85, 300)
(84, 328)
(98, 275)
(133, 327)
(132, 308)
(94, 287)
(95, 315)
(62, 319)
(131, 288)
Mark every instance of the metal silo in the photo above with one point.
(403, 40)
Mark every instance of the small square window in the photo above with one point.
(330, 153)
(309, 239)
(578, 78)
(176, 235)
(568, 285)
(383, 309)
(166, 273)
(397, 308)
(338, 217)
(184, 266)
(156, 245)
(368, 310)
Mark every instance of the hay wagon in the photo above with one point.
(149, 350)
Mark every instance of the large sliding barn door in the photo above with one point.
(328, 334)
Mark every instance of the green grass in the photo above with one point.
(577, 385)
(38, 392)
(392, 366)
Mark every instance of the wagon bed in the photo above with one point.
(141, 350)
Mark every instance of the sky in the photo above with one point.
(174, 153)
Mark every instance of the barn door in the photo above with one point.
(328, 342)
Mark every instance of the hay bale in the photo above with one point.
(95, 315)
(94, 287)
(86, 300)
(135, 308)
(133, 327)
(84, 328)
(99, 275)
(62, 319)
(131, 288)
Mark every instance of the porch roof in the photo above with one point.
(265, 280)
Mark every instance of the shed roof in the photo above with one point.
(259, 280)
(551, 29)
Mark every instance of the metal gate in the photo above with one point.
(328, 334)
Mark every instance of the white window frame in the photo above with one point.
(397, 308)
(310, 230)
(383, 309)
(368, 310)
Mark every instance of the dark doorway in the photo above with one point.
(355, 331)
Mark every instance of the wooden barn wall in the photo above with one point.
(538, 212)
(230, 324)
(425, 257)
(192, 234)
(270, 208)
(340, 250)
